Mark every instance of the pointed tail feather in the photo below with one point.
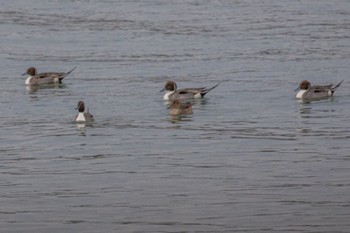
(66, 74)
(336, 86)
(71, 71)
(209, 89)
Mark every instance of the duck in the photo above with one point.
(83, 116)
(44, 78)
(182, 94)
(178, 108)
(308, 92)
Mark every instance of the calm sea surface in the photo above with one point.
(250, 159)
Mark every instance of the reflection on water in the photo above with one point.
(317, 109)
(178, 118)
(34, 88)
(320, 100)
(82, 128)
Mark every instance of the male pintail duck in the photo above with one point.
(308, 92)
(178, 108)
(186, 93)
(83, 116)
(44, 78)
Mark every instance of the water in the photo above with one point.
(250, 159)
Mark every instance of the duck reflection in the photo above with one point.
(34, 88)
(81, 129)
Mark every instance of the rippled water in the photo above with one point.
(250, 159)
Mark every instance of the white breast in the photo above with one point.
(300, 94)
(28, 80)
(80, 117)
(167, 94)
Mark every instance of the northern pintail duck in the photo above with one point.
(44, 78)
(178, 108)
(83, 116)
(308, 92)
(186, 93)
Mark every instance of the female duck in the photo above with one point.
(178, 108)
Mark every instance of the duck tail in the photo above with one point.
(209, 89)
(336, 86)
(71, 70)
(66, 74)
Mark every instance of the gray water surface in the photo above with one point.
(250, 159)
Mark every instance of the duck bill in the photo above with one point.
(297, 89)
(162, 89)
(24, 73)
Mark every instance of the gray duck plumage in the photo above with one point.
(83, 116)
(308, 92)
(44, 78)
(186, 93)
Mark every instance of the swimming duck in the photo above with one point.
(178, 108)
(44, 78)
(186, 93)
(306, 91)
(83, 116)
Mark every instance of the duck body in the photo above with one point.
(308, 92)
(178, 108)
(186, 93)
(44, 78)
(82, 116)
